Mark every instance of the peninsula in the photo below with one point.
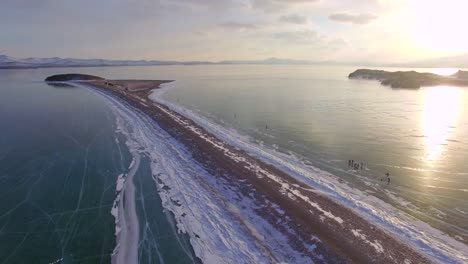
(410, 79)
(321, 228)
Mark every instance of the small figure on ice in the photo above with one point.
(388, 178)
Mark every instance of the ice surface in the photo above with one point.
(428, 240)
(208, 209)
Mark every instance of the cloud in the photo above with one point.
(310, 39)
(293, 19)
(277, 5)
(337, 43)
(187, 29)
(360, 19)
(237, 25)
(303, 37)
(211, 4)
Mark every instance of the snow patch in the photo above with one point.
(376, 244)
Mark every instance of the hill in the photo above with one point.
(410, 79)
(72, 77)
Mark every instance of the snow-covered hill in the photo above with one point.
(10, 62)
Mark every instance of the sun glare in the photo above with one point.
(445, 71)
(436, 25)
(438, 117)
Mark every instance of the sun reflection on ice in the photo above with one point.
(441, 105)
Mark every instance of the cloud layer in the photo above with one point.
(294, 19)
(354, 19)
(222, 29)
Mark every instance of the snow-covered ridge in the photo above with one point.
(11, 62)
(426, 239)
(223, 226)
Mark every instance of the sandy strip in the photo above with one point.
(348, 237)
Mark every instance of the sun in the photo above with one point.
(438, 26)
(445, 71)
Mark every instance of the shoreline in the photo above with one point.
(347, 236)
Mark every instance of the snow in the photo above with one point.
(126, 220)
(120, 183)
(131, 163)
(56, 261)
(376, 244)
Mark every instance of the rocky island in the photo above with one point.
(72, 77)
(410, 79)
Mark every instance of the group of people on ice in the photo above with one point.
(356, 166)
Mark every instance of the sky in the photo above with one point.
(211, 30)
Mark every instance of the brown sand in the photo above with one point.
(310, 214)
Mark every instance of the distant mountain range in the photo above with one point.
(7, 62)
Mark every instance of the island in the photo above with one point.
(140, 88)
(72, 77)
(410, 79)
